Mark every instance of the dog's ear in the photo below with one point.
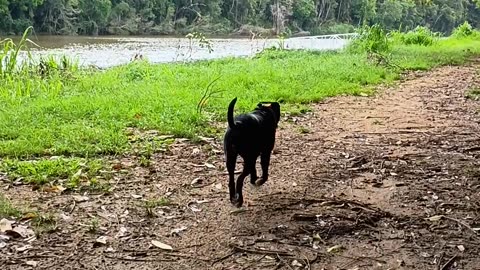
(275, 106)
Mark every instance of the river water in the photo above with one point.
(104, 52)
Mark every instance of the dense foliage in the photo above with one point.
(226, 16)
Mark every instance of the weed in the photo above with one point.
(44, 171)
(151, 204)
(157, 202)
(44, 223)
(95, 184)
(7, 209)
(93, 225)
(50, 66)
(297, 109)
(281, 41)
(209, 93)
(377, 122)
(304, 130)
(146, 144)
(472, 171)
(145, 161)
(474, 94)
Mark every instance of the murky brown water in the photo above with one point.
(107, 51)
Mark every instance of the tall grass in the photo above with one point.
(90, 114)
(23, 76)
(372, 40)
(9, 55)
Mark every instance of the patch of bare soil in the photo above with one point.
(384, 182)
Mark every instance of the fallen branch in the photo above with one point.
(255, 262)
(439, 263)
(279, 265)
(355, 259)
(146, 253)
(349, 203)
(134, 259)
(238, 211)
(73, 207)
(181, 255)
(464, 225)
(36, 256)
(223, 258)
(305, 217)
(395, 132)
(280, 259)
(472, 149)
(190, 246)
(260, 251)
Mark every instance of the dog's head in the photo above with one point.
(274, 107)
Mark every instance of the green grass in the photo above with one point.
(72, 171)
(88, 113)
(151, 204)
(7, 209)
(42, 223)
(474, 94)
(444, 52)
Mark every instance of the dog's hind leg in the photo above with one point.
(265, 162)
(248, 165)
(231, 162)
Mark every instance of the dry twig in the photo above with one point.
(449, 263)
(260, 251)
(464, 225)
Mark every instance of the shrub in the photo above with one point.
(338, 28)
(371, 39)
(419, 36)
(464, 30)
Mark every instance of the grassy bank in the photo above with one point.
(88, 113)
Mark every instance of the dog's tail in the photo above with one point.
(231, 123)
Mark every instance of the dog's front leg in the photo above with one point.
(265, 162)
(253, 171)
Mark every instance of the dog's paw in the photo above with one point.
(260, 182)
(253, 180)
(237, 201)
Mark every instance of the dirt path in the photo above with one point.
(358, 175)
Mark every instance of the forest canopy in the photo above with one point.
(94, 17)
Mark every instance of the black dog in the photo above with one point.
(250, 135)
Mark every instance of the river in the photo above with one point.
(108, 51)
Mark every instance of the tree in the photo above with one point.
(303, 13)
(94, 14)
(169, 16)
(56, 17)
